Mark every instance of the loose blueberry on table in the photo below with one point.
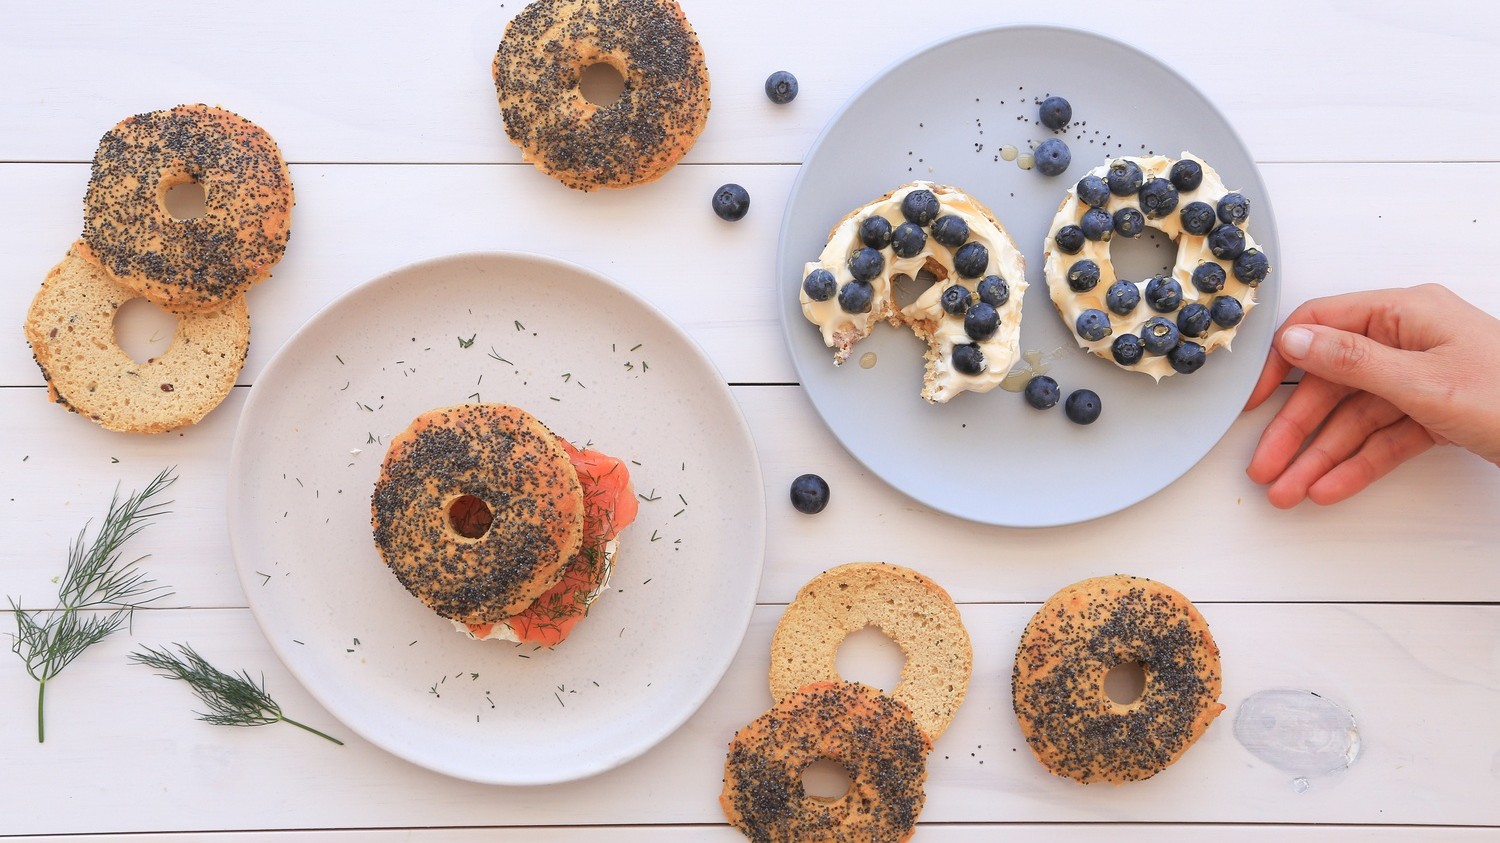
(809, 494)
(1052, 157)
(1056, 113)
(1042, 392)
(731, 202)
(1083, 406)
(781, 87)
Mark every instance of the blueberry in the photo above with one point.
(731, 202)
(920, 207)
(781, 87)
(857, 297)
(1227, 311)
(993, 291)
(1052, 157)
(1197, 218)
(819, 285)
(1124, 178)
(1158, 198)
(1069, 239)
(1093, 192)
(968, 359)
(1093, 325)
(1127, 349)
(1056, 113)
(1097, 224)
(1122, 297)
(908, 240)
(971, 260)
(1129, 222)
(1042, 392)
(809, 494)
(1159, 335)
(1193, 320)
(1227, 242)
(1251, 267)
(865, 263)
(1209, 277)
(950, 230)
(1163, 293)
(875, 232)
(1187, 358)
(1083, 406)
(1186, 175)
(1083, 276)
(956, 300)
(1234, 208)
(981, 322)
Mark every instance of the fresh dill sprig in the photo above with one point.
(97, 595)
(233, 699)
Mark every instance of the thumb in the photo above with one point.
(1350, 359)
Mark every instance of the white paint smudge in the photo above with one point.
(1297, 732)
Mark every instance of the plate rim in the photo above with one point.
(282, 358)
(783, 311)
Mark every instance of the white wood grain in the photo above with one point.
(1431, 752)
(350, 82)
(1426, 533)
(715, 279)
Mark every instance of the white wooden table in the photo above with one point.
(1377, 128)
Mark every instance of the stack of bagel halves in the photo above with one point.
(198, 269)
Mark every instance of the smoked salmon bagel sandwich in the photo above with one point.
(498, 524)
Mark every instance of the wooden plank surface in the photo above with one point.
(343, 82)
(1430, 752)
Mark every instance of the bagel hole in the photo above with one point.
(601, 84)
(869, 656)
(907, 289)
(143, 330)
(1137, 259)
(470, 516)
(825, 780)
(1125, 682)
(187, 201)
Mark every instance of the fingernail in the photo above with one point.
(1296, 341)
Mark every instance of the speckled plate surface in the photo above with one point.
(944, 115)
(608, 370)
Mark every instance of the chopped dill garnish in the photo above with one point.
(519, 326)
(648, 498)
(637, 345)
(465, 343)
(496, 355)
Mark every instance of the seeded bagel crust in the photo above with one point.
(1082, 631)
(872, 735)
(198, 264)
(71, 328)
(631, 141)
(911, 609)
(506, 458)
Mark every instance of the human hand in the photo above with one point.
(1388, 374)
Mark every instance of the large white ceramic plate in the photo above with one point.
(943, 115)
(597, 365)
